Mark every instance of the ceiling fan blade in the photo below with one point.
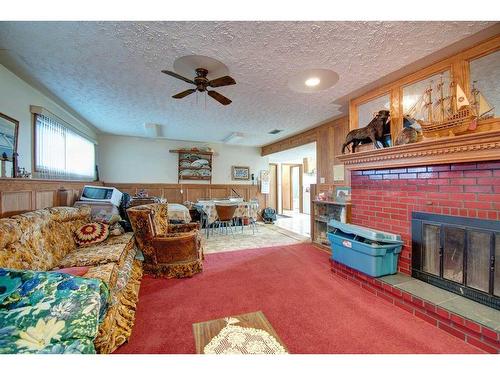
(222, 81)
(178, 76)
(220, 98)
(183, 94)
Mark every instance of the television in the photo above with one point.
(101, 194)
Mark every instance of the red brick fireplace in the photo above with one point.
(385, 198)
(443, 179)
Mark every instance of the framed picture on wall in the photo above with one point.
(240, 173)
(8, 136)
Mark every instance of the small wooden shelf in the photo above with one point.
(321, 219)
(194, 168)
(321, 212)
(332, 202)
(205, 155)
(193, 151)
(195, 177)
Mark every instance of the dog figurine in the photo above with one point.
(372, 132)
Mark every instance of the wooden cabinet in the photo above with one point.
(321, 213)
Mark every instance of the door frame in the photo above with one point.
(275, 185)
(301, 185)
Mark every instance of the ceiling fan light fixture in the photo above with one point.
(313, 81)
(201, 83)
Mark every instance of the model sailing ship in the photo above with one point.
(451, 114)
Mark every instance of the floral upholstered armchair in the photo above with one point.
(170, 250)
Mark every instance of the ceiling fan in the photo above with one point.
(202, 83)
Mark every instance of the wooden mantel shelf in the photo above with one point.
(459, 149)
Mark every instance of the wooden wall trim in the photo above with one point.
(180, 193)
(471, 147)
(458, 64)
(18, 195)
(21, 195)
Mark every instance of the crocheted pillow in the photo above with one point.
(91, 233)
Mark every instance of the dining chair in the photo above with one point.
(225, 214)
(251, 210)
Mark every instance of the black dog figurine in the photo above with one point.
(372, 132)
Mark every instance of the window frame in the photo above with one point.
(68, 127)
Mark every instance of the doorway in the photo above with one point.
(291, 188)
(273, 186)
(294, 170)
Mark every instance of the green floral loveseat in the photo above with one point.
(42, 241)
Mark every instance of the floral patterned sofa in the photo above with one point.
(43, 240)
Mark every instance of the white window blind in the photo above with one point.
(61, 153)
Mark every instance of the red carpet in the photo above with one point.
(311, 310)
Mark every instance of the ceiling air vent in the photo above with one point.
(275, 131)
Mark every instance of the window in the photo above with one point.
(368, 110)
(60, 152)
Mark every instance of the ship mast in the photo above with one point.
(441, 97)
(475, 93)
(429, 102)
(453, 95)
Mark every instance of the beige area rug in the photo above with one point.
(266, 235)
(241, 334)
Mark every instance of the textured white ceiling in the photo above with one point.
(294, 155)
(109, 72)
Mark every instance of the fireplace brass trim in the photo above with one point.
(466, 148)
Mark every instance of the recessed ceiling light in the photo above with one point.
(313, 81)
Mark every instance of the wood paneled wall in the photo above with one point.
(179, 193)
(21, 195)
(457, 65)
(329, 138)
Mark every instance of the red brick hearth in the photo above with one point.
(456, 325)
(385, 198)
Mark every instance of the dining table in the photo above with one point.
(243, 209)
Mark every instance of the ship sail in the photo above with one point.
(484, 107)
(461, 99)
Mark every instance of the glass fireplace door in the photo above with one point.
(431, 253)
(458, 254)
(496, 286)
(478, 260)
(453, 254)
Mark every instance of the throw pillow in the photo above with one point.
(75, 271)
(91, 233)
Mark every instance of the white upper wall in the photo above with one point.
(133, 159)
(16, 96)
(120, 158)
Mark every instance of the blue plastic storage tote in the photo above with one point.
(372, 252)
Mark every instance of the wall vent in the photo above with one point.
(275, 131)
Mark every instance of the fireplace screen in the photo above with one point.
(458, 254)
